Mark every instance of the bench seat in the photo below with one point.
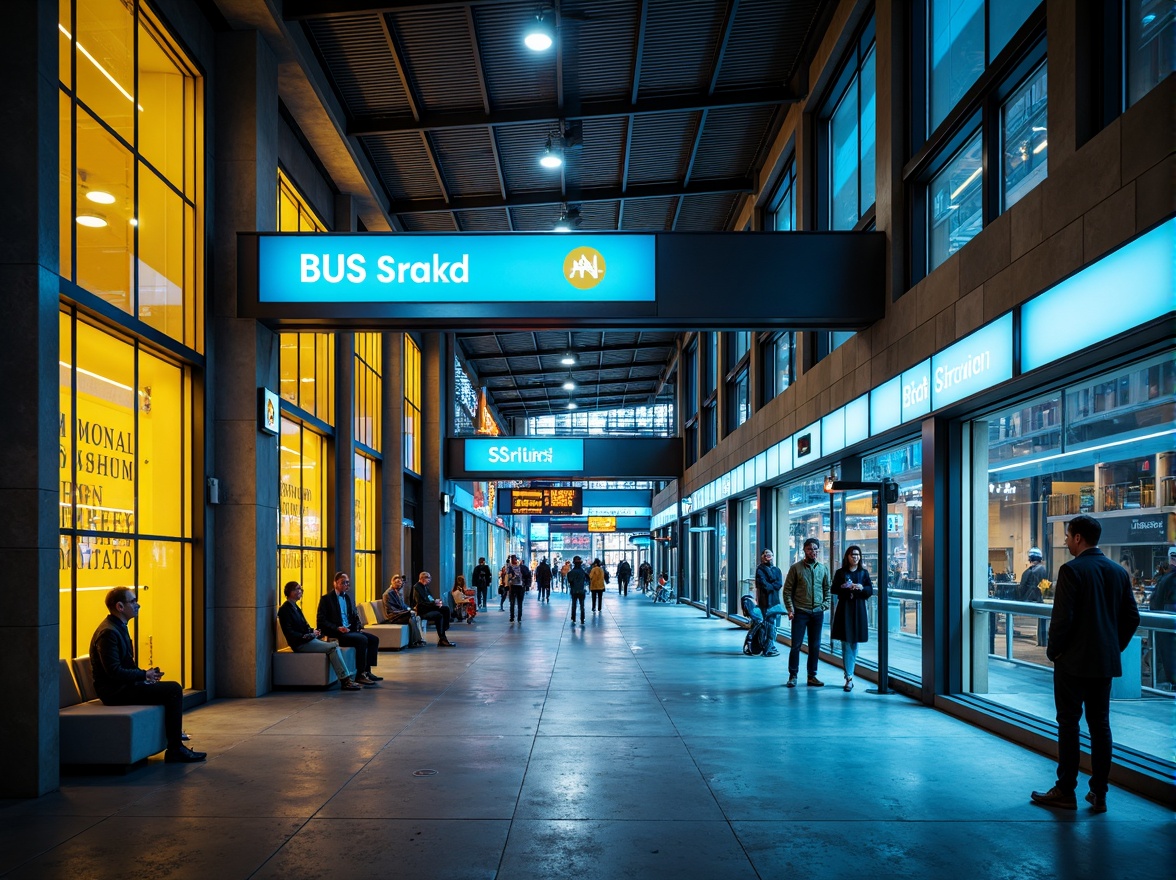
(96, 734)
(300, 669)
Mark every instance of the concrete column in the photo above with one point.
(29, 490)
(436, 528)
(392, 472)
(345, 453)
(242, 556)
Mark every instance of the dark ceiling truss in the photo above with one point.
(666, 109)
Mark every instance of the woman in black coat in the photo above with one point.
(768, 582)
(852, 587)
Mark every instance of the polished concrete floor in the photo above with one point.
(642, 745)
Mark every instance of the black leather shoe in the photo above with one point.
(183, 755)
(1055, 798)
(1098, 802)
(374, 677)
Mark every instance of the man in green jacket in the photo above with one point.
(806, 597)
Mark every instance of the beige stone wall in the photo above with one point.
(1096, 197)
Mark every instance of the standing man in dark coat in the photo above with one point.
(768, 581)
(338, 619)
(1094, 617)
(120, 682)
(543, 580)
(480, 578)
(624, 573)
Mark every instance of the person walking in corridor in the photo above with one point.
(1093, 619)
(624, 573)
(596, 585)
(806, 596)
(576, 582)
(480, 578)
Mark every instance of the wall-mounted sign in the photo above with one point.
(1124, 289)
(268, 411)
(886, 406)
(523, 455)
(1156, 528)
(539, 531)
(602, 523)
(559, 501)
(976, 362)
(808, 444)
(455, 268)
(916, 391)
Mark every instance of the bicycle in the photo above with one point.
(663, 593)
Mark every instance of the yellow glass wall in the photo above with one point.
(365, 579)
(130, 167)
(412, 405)
(302, 512)
(368, 388)
(125, 471)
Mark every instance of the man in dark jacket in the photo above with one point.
(576, 587)
(543, 580)
(768, 581)
(1029, 588)
(624, 573)
(431, 609)
(1163, 600)
(338, 619)
(480, 578)
(120, 682)
(1094, 617)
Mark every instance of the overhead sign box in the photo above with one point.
(602, 523)
(560, 501)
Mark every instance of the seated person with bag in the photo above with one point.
(397, 611)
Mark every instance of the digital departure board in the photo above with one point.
(547, 502)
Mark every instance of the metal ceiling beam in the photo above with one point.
(549, 114)
(554, 197)
(545, 407)
(555, 352)
(301, 10)
(563, 371)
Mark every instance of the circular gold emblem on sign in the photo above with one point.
(584, 267)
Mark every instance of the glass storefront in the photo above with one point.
(1101, 447)
(302, 510)
(125, 468)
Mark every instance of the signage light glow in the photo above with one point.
(524, 455)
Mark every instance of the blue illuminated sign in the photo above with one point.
(414, 268)
(1121, 291)
(886, 406)
(916, 391)
(976, 362)
(857, 420)
(524, 455)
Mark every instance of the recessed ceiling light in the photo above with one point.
(550, 157)
(569, 385)
(572, 404)
(568, 359)
(94, 221)
(99, 197)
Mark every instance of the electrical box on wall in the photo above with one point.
(213, 490)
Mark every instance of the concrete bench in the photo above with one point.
(96, 734)
(297, 669)
(392, 636)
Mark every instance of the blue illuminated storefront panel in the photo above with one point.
(515, 455)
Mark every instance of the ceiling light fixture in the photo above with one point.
(551, 157)
(568, 359)
(569, 219)
(94, 221)
(572, 404)
(568, 384)
(99, 197)
(539, 36)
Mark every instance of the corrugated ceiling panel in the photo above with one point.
(515, 76)
(649, 215)
(765, 43)
(438, 49)
(680, 42)
(357, 57)
(598, 162)
(535, 218)
(403, 165)
(467, 161)
(428, 222)
(707, 213)
(730, 141)
(599, 216)
(488, 220)
(661, 146)
(598, 52)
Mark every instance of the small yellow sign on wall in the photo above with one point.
(602, 523)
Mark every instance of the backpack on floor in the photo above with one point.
(756, 642)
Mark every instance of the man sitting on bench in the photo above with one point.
(304, 640)
(119, 681)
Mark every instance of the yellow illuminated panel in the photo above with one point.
(367, 512)
(412, 405)
(138, 117)
(367, 390)
(602, 523)
(302, 528)
(550, 501)
(66, 501)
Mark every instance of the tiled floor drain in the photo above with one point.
(424, 772)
